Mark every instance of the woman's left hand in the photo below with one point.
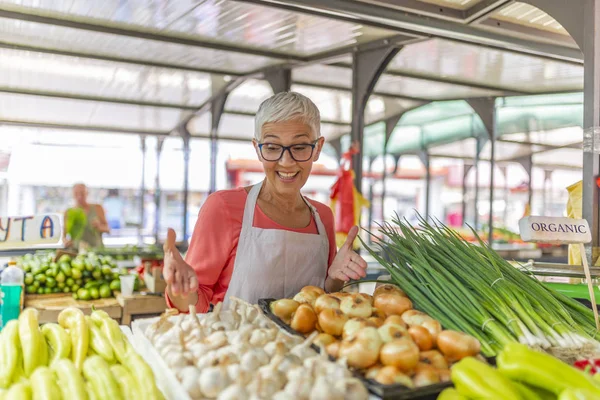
(347, 263)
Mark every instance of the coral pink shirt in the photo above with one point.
(213, 245)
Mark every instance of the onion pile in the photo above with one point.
(382, 336)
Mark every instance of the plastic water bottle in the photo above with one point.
(11, 291)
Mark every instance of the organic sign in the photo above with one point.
(29, 231)
(554, 230)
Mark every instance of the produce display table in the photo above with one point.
(140, 305)
(50, 305)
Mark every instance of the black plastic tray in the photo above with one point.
(399, 392)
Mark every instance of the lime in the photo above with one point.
(136, 284)
(89, 266)
(30, 289)
(50, 282)
(60, 277)
(105, 291)
(75, 296)
(41, 278)
(61, 285)
(75, 288)
(28, 279)
(83, 294)
(94, 293)
(65, 258)
(51, 272)
(48, 290)
(79, 282)
(56, 290)
(70, 282)
(76, 273)
(87, 274)
(35, 284)
(66, 289)
(40, 290)
(97, 273)
(115, 285)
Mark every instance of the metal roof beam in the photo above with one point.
(142, 33)
(415, 75)
(251, 114)
(90, 128)
(400, 21)
(347, 89)
(484, 9)
(132, 61)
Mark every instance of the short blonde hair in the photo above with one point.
(287, 106)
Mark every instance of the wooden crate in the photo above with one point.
(154, 280)
(140, 305)
(49, 306)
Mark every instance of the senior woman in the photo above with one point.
(266, 240)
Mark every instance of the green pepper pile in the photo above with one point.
(88, 277)
(80, 358)
(521, 374)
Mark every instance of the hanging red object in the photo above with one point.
(346, 201)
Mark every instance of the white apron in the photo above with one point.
(275, 263)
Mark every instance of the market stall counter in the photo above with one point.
(51, 305)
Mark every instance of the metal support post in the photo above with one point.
(504, 170)
(582, 21)
(547, 182)
(527, 163)
(481, 141)
(142, 191)
(216, 111)
(280, 79)
(157, 192)
(367, 67)
(485, 108)
(426, 160)
(337, 147)
(466, 169)
(185, 135)
(390, 125)
(371, 183)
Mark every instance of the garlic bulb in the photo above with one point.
(324, 390)
(213, 380)
(190, 380)
(233, 392)
(353, 389)
(285, 396)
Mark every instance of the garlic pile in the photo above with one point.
(241, 354)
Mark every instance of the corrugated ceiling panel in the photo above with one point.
(528, 15)
(558, 137)
(476, 64)
(248, 96)
(462, 149)
(420, 88)
(566, 157)
(220, 20)
(75, 40)
(70, 75)
(508, 151)
(63, 111)
(324, 74)
(458, 4)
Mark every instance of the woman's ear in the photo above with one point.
(256, 149)
(318, 148)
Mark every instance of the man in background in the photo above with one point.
(113, 206)
(95, 225)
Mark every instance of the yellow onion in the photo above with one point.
(324, 339)
(377, 313)
(366, 297)
(376, 321)
(421, 337)
(326, 301)
(354, 325)
(372, 372)
(332, 321)
(415, 317)
(388, 288)
(356, 307)
(284, 309)
(333, 349)
(361, 350)
(395, 320)
(433, 358)
(306, 297)
(390, 375)
(340, 295)
(444, 375)
(389, 332)
(425, 375)
(434, 327)
(314, 289)
(457, 345)
(400, 353)
(392, 304)
(304, 319)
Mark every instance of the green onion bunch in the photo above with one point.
(470, 288)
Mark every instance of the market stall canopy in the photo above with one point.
(144, 67)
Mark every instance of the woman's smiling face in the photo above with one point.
(287, 175)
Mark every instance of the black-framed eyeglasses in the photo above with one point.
(299, 152)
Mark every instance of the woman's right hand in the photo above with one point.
(180, 277)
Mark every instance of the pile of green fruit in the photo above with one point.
(88, 276)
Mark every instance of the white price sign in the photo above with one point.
(30, 231)
(554, 230)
